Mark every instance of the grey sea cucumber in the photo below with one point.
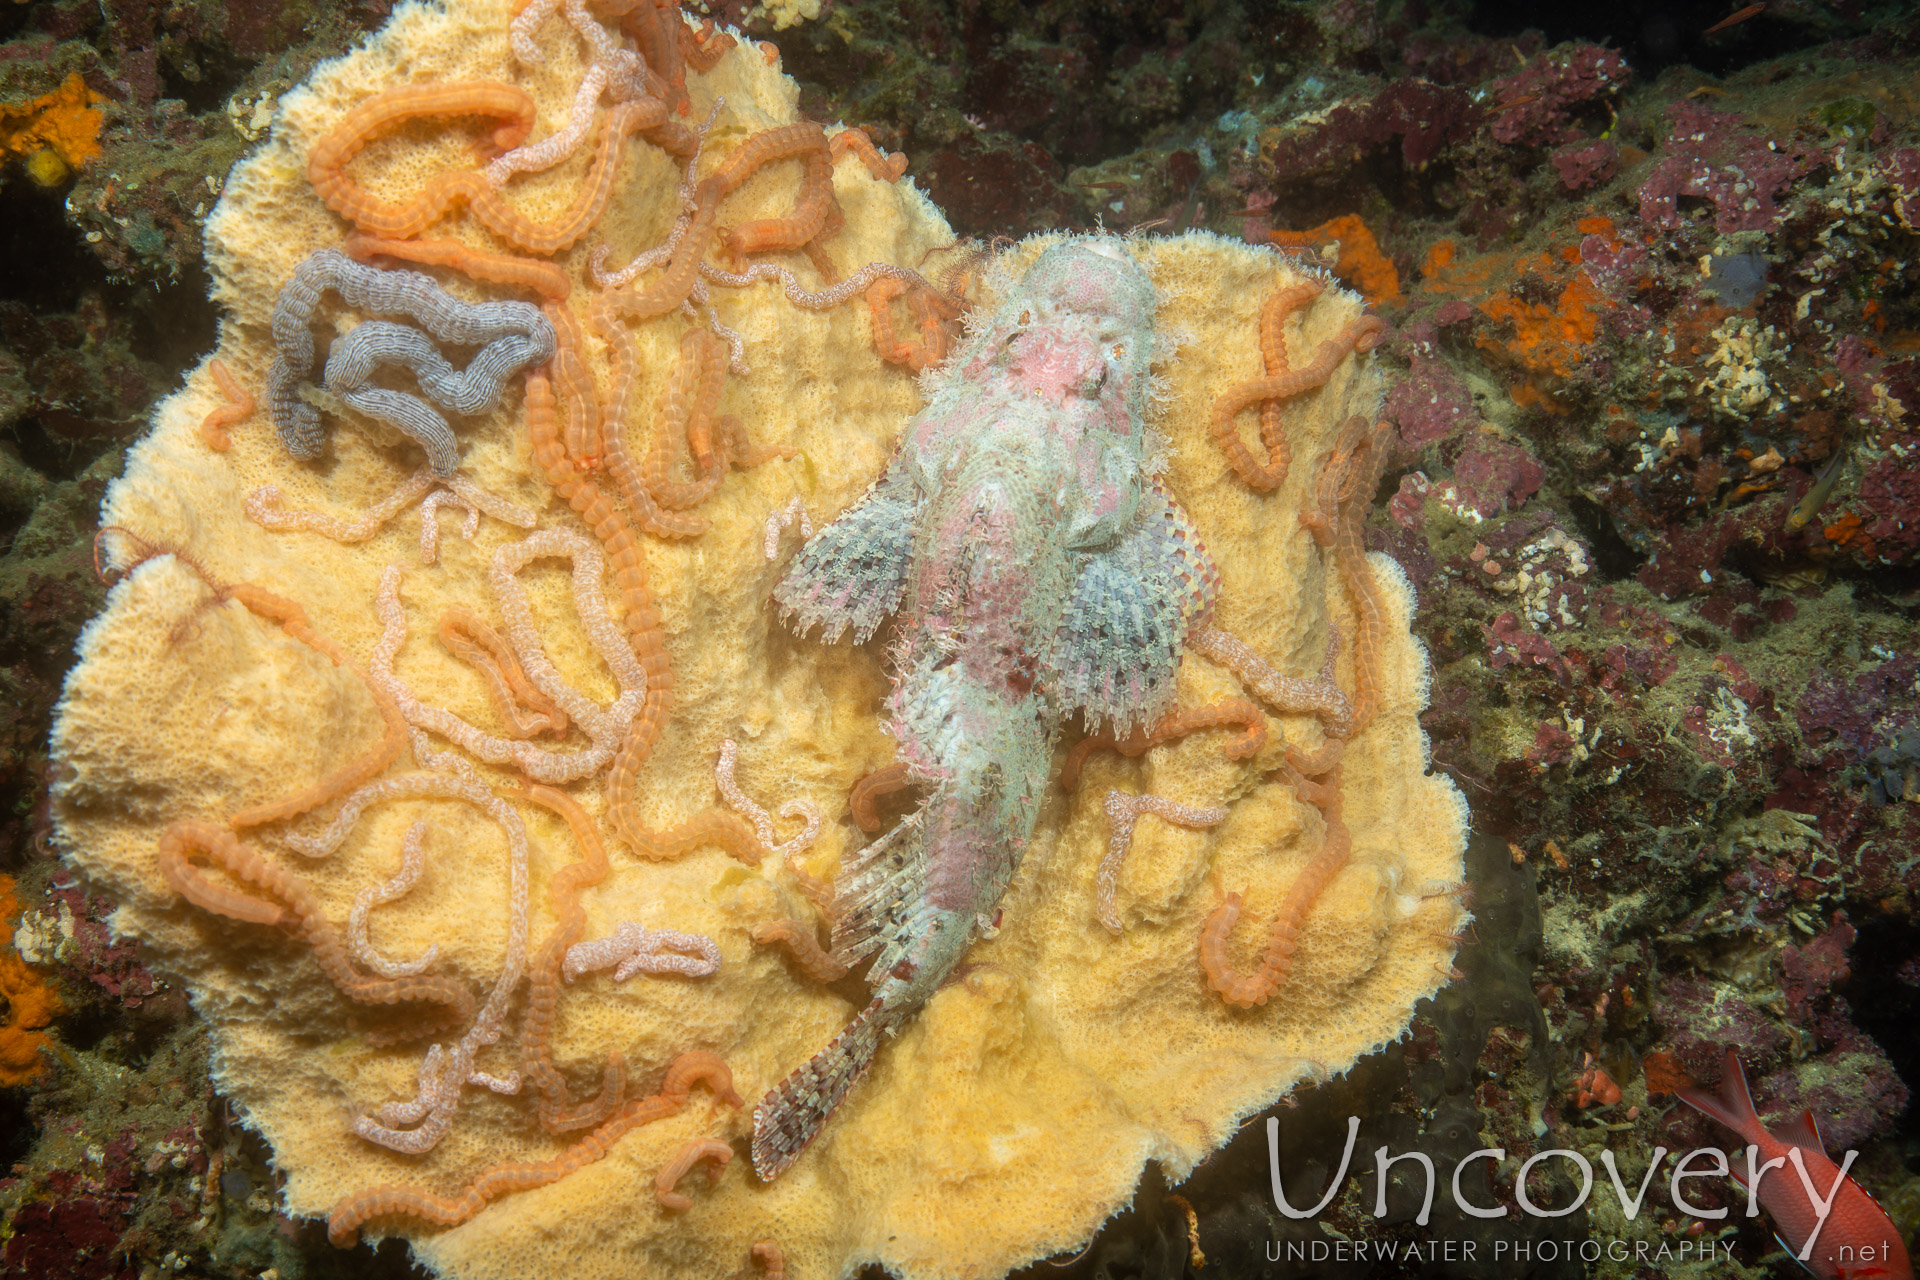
(510, 335)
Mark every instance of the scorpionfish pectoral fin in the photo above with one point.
(1117, 650)
(852, 573)
(792, 1115)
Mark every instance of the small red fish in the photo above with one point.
(1523, 100)
(1735, 19)
(1821, 1216)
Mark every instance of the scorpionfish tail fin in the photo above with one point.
(794, 1112)
(853, 572)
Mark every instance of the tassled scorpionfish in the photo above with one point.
(1034, 567)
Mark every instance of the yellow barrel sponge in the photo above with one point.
(302, 743)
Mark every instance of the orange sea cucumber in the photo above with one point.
(808, 219)
(880, 296)
(1171, 728)
(327, 165)
(1360, 335)
(714, 826)
(327, 161)
(687, 402)
(1244, 991)
(669, 45)
(391, 1200)
(1337, 518)
(543, 278)
(799, 940)
(885, 168)
(584, 436)
(674, 285)
(641, 616)
(704, 48)
(239, 406)
(1263, 476)
(293, 620)
(1320, 696)
(934, 311)
(242, 863)
(642, 621)
(687, 397)
(937, 315)
(818, 890)
(468, 637)
(555, 1105)
(713, 1150)
(631, 480)
(869, 790)
(1123, 812)
(594, 437)
(289, 901)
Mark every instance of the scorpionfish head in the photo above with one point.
(1080, 326)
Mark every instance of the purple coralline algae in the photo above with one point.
(1494, 476)
(1536, 105)
(1714, 156)
(1430, 403)
(1420, 117)
(1586, 164)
